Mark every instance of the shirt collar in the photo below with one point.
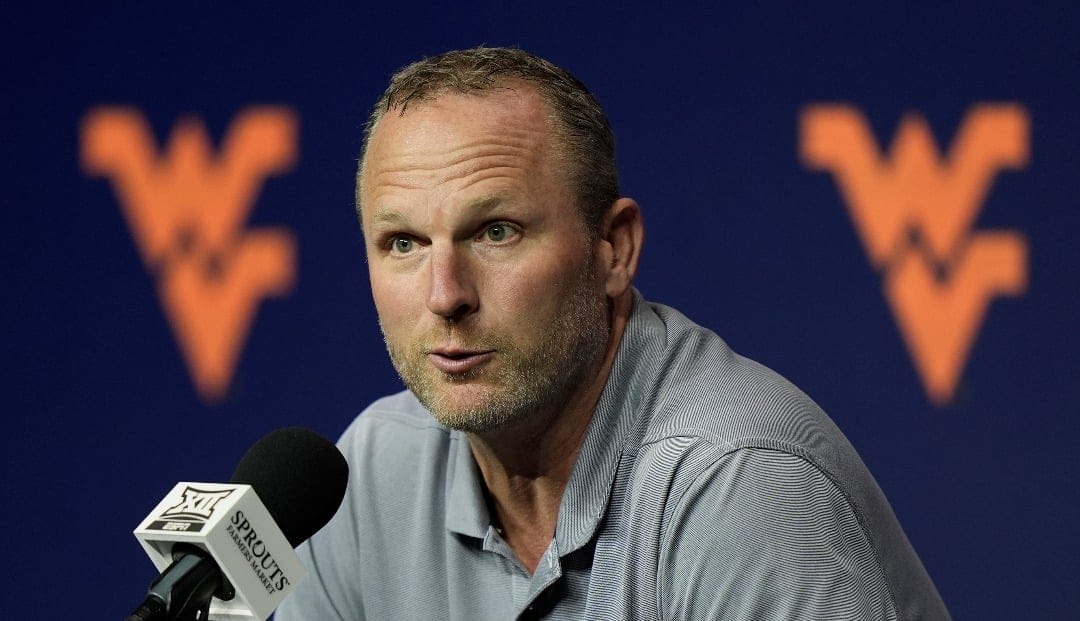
(588, 491)
(466, 509)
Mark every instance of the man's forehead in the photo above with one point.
(456, 123)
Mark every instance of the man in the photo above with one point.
(566, 449)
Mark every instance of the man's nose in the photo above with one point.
(452, 293)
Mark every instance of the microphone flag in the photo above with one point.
(231, 524)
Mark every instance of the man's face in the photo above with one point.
(484, 278)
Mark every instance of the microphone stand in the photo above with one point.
(183, 591)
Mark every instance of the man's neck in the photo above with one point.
(526, 468)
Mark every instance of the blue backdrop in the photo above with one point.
(103, 416)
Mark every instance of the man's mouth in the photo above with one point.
(458, 361)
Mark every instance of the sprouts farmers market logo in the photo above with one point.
(914, 211)
(257, 554)
(186, 207)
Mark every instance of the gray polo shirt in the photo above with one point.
(707, 487)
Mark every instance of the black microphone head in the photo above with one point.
(299, 476)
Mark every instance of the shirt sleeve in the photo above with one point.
(763, 534)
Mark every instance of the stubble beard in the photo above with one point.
(525, 381)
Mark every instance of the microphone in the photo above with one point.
(227, 549)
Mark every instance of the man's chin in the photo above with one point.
(471, 408)
(472, 420)
(453, 403)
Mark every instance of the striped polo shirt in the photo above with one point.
(707, 487)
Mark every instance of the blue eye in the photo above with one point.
(497, 232)
(500, 233)
(402, 244)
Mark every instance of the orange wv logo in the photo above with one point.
(186, 209)
(914, 212)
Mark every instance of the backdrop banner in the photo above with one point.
(878, 203)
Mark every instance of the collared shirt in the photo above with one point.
(706, 487)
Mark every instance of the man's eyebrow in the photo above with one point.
(388, 216)
(478, 207)
(484, 205)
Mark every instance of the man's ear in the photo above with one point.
(621, 234)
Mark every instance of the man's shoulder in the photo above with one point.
(724, 426)
(709, 391)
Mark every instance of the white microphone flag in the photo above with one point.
(231, 524)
